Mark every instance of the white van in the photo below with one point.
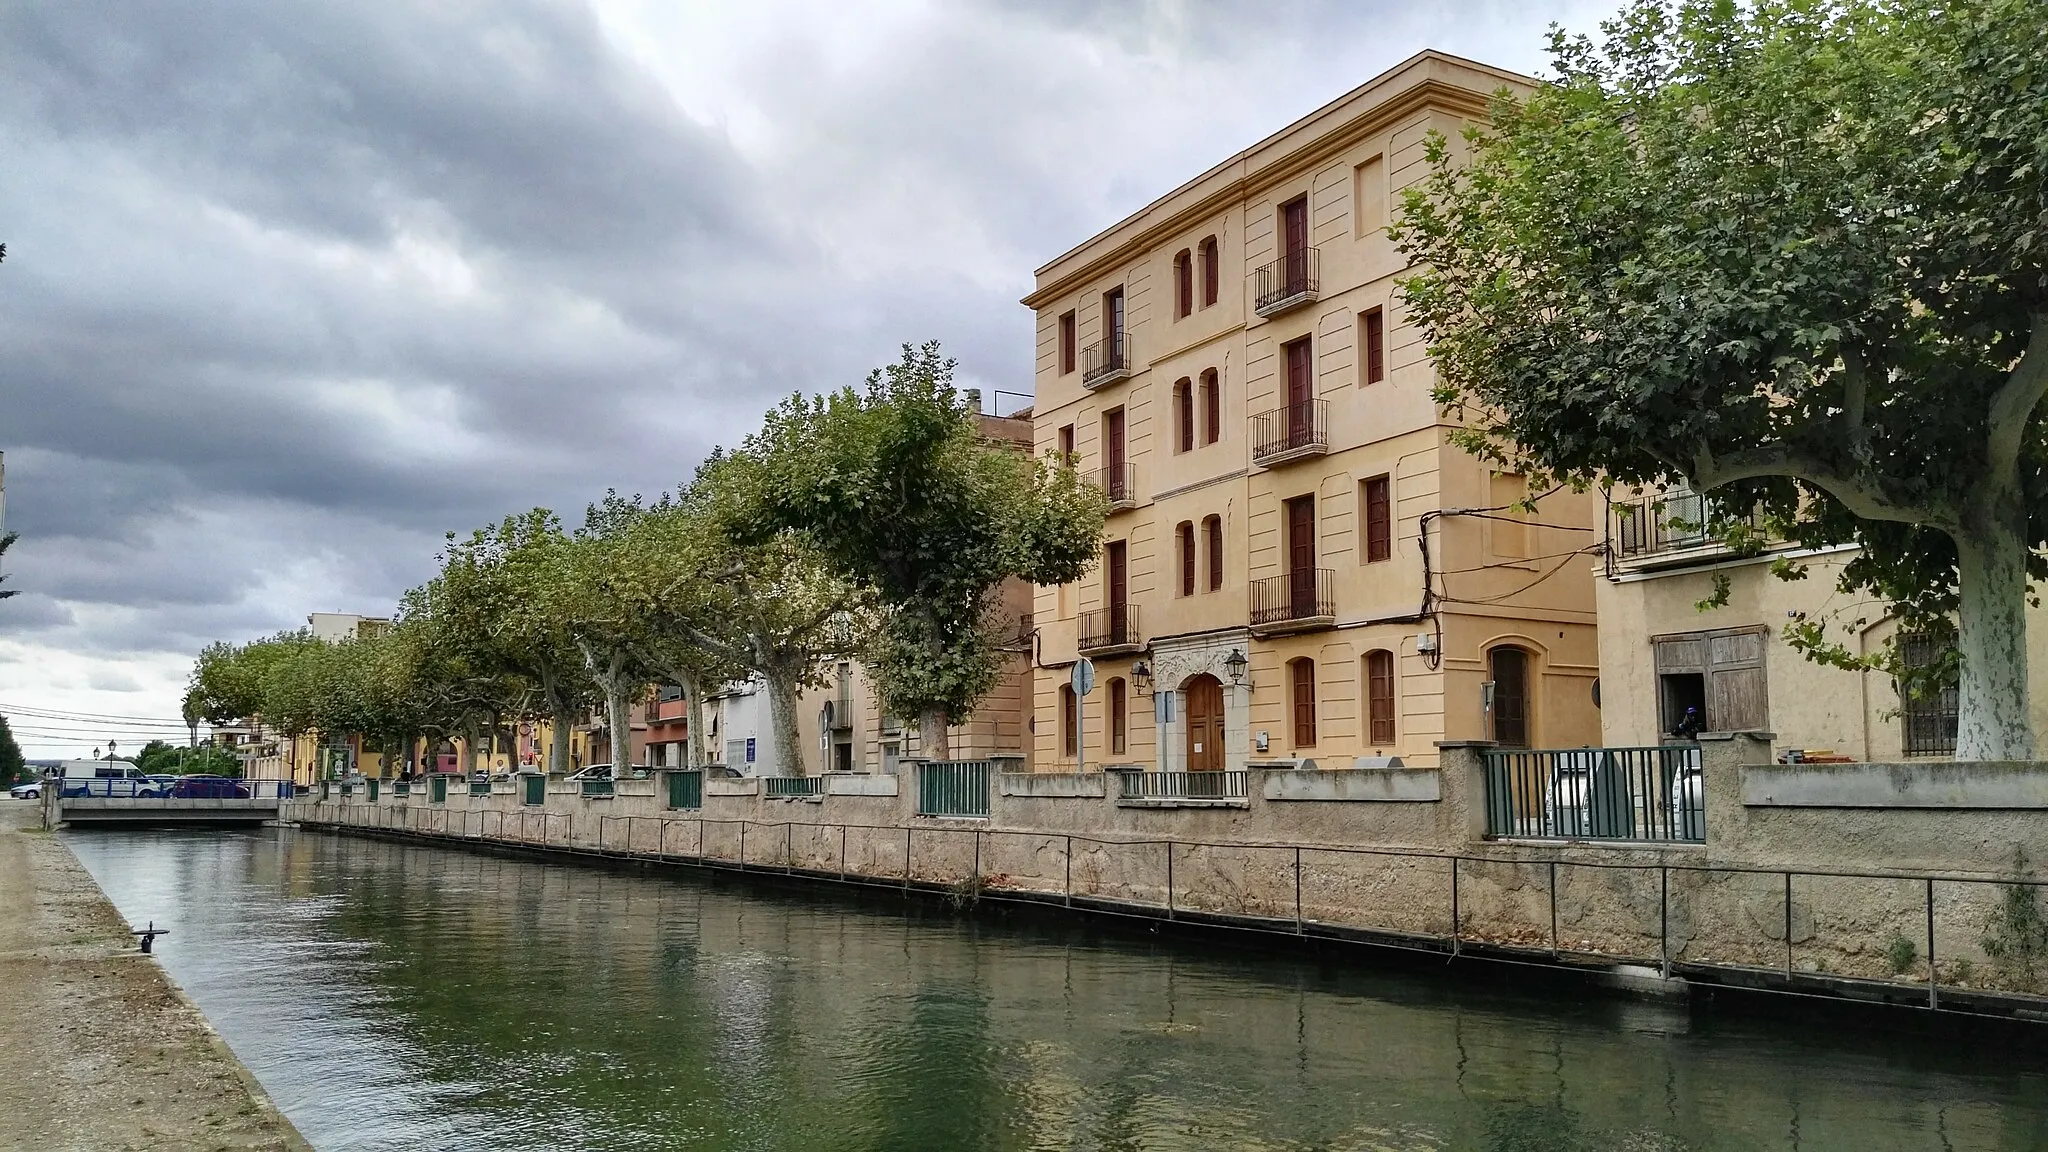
(105, 778)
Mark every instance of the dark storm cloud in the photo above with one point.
(292, 289)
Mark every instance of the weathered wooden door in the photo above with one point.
(1301, 556)
(1300, 395)
(1510, 671)
(1205, 723)
(1116, 567)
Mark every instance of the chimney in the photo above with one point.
(974, 401)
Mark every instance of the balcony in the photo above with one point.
(668, 712)
(1671, 529)
(1295, 432)
(1298, 601)
(1111, 631)
(1106, 362)
(1289, 282)
(1120, 484)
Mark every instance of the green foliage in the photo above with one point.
(896, 489)
(1900, 954)
(13, 768)
(160, 758)
(7, 541)
(2015, 936)
(1795, 248)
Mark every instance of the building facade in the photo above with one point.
(1299, 563)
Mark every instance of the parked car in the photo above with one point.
(200, 786)
(106, 778)
(593, 772)
(33, 790)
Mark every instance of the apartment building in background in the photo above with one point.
(1299, 563)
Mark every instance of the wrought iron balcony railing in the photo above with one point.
(1291, 433)
(1106, 361)
(1294, 601)
(1120, 483)
(1111, 629)
(1671, 524)
(1289, 282)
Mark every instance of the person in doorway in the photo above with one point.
(1690, 725)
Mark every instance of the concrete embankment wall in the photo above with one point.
(1808, 872)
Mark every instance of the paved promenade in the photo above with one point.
(98, 1049)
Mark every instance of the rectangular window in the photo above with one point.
(1376, 510)
(1304, 677)
(1372, 343)
(1066, 443)
(1369, 195)
(1379, 697)
(1185, 538)
(1119, 735)
(1066, 343)
(1718, 675)
(1927, 721)
(1213, 529)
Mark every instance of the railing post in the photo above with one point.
(977, 858)
(1553, 909)
(788, 849)
(743, 845)
(1454, 906)
(1788, 925)
(1933, 997)
(1297, 889)
(1664, 918)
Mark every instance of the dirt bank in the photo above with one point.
(98, 1049)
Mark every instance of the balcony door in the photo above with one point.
(1204, 698)
(1301, 556)
(1294, 235)
(1113, 458)
(1116, 571)
(1300, 394)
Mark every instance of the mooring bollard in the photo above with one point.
(149, 934)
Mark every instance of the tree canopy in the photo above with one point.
(1792, 249)
(12, 766)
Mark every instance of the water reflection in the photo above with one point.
(402, 998)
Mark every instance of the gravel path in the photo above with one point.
(99, 1050)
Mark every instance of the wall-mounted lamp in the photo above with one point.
(1235, 663)
(1141, 678)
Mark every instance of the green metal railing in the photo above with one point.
(536, 790)
(1653, 794)
(686, 789)
(596, 788)
(789, 787)
(1232, 785)
(479, 788)
(402, 788)
(957, 788)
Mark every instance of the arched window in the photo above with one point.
(1119, 733)
(1212, 538)
(1379, 697)
(1212, 272)
(1212, 407)
(1509, 669)
(1069, 744)
(1184, 538)
(1301, 674)
(1183, 415)
(1183, 284)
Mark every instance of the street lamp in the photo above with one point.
(1235, 663)
(1141, 678)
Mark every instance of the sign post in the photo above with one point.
(1082, 681)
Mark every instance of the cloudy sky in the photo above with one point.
(293, 289)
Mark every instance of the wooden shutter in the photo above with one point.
(1304, 671)
(1184, 413)
(1737, 697)
(1212, 407)
(1067, 739)
(1066, 343)
(1213, 529)
(1379, 519)
(1375, 347)
(1185, 534)
(1183, 284)
(1212, 276)
(1379, 696)
(1118, 732)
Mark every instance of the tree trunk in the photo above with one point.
(783, 695)
(558, 741)
(620, 724)
(693, 730)
(1991, 626)
(932, 728)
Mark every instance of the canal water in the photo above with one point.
(395, 997)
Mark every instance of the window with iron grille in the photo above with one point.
(1927, 721)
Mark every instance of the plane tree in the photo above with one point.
(1792, 250)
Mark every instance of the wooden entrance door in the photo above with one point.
(1204, 696)
(1301, 556)
(1510, 670)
